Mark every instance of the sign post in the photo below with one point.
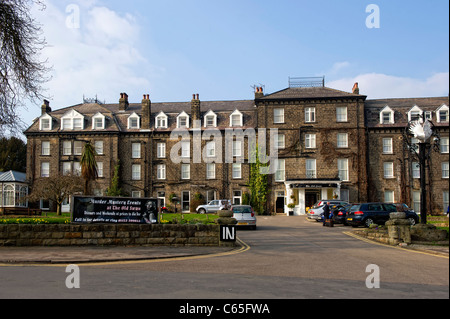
(110, 210)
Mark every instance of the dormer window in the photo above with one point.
(134, 122)
(183, 120)
(161, 120)
(72, 120)
(211, 119)
(442, 114)
(45, 123)
(236, 119)
(415, 114)
(387, 116)
(98, 121)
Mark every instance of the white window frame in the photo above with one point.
(67, 168)
(280, 172)
(136, 150)
(211, 149)
(161, 150)
(161, 171)
(310, 115)
(45, 169)
(342, 140)
(185, 116)
(445, 170)
(98, 145)
(278, 116)
(387, 145)
(237, 148)
(185, 149)
(236, 119)
(310, 141)
(387, 110)
(444, 145)
(343, 169)
(70, 120)
(78, 147)
(442, 108)
(45, 148)
(311, 168)
(45, 123)
(185, 171)
(161, 120)
(102, 118)
(67, 148)
(136, 172)
(211, 171)
(341, 114)
(132, 119)
(210, 116)
(388, 170)
(413, 112)
(281, 141)
(389, 196)
(415, 170)
(236, 170)
(100, 169)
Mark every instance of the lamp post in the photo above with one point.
(424, 131)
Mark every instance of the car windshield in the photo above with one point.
(390, 207)
(355, 208)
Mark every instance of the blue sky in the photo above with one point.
(173, 48)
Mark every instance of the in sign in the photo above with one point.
(228, 233)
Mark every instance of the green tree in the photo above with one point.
(13, 154)
(88, 165)
(258, 182)
(115, 189)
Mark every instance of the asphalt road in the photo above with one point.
(286, 258)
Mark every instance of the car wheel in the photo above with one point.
(412, 221)
(202, 211)
(368, 222)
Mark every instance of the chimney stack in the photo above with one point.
(146, 112)
(355, 89)
(45, 108)
(123, 102)
(195, 110)
(259, 92)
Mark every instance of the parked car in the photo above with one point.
(340, 214)
(316, 212)
(244, 215)
(214, 206)
(366, 214)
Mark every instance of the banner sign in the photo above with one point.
(123, 210)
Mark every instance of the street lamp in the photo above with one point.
(423, 130)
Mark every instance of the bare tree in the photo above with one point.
(22, 73)
(56, 189)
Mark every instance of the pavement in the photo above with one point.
(91, 254)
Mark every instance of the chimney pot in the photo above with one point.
(355, 89)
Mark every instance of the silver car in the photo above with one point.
(214, 206)
(244, 215)
(316, 212)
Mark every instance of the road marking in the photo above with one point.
(244, 247)
(396, 247)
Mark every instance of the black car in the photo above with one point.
(375, 213)
(340, 214)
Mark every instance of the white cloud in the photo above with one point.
(376, 85)
(100, 57)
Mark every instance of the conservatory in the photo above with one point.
(13, 190)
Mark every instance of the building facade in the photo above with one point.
(328, 144)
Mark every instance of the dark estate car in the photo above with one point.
(340, 214)
(375, 213)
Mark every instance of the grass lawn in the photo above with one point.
(188, 218)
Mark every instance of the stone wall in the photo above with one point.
(109, 235)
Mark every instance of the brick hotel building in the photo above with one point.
(331, 144)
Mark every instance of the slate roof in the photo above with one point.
(309, 93)
(401, 107)
(116, 121)
(13, 176)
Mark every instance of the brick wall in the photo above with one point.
(109, 235)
